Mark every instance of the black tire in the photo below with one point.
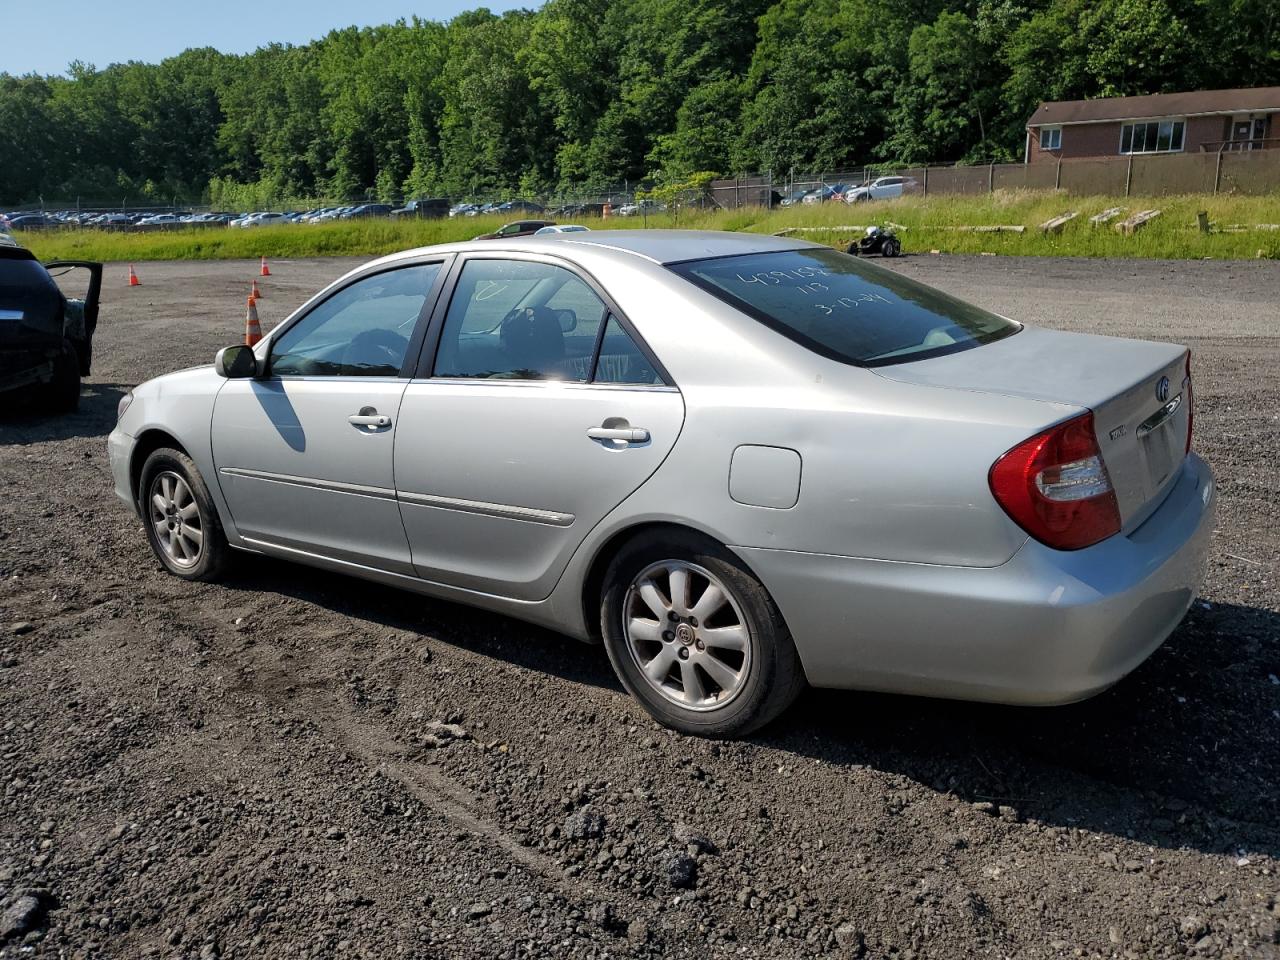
(213, 552)
(773, 674)
(63, 391)
(892, 248)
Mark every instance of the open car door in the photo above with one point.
(82, 313)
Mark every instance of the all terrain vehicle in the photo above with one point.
(876, 240)
(46, 339)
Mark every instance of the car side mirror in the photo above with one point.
(236, 362)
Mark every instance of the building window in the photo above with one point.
(1158, 136)
(1050, 138)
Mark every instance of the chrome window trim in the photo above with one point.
(548, 384)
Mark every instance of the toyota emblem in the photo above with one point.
(1162, 389)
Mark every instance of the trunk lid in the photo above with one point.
(1141, 428)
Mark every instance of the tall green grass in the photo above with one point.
(927, 223)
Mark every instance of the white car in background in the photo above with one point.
(264, 220)
(882, 188)
(560, 228)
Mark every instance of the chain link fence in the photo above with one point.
(1250, 172)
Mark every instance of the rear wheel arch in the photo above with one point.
(593, 583)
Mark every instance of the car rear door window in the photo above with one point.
(363, 330)
(845, 308)
(621, 360)
(519, 320)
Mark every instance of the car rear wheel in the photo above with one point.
(892, 248)
(181, 522)
(695, 637)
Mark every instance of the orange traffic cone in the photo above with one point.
(256, 294)
(252, 328)
(265, 271)
(133, 278)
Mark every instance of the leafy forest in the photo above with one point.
(585, 93)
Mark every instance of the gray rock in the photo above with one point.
(439, 734)
(985, 806)
(850, 939)
(682, 872)
(26, 913)
(686, 836)
(1193, 928)
(18, 629)
(478, 910)
(334, 833)
(584, 825)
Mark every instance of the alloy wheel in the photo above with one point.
(175, 518)
(687, 635)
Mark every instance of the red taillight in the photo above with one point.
(1056, 487)
(1191, 402)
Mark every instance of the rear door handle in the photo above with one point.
(625, 434)
(369, 420)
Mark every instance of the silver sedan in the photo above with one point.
(743, 463)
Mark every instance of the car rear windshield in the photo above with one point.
(845, 308)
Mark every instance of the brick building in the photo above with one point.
(1197, 121)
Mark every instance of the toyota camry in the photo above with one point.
(742, 463)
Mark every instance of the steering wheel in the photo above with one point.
(376, 348)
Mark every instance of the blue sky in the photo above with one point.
(43, 37)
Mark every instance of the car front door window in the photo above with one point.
(363, 330)
(519, 320)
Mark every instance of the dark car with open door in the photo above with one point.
(46, 338)
(517, 228)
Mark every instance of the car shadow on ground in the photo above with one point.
(1182, 753)
(479, 631)
(23, 421)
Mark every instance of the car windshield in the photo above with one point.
(845, 308)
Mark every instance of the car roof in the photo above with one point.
(674, 246)
(655, 246)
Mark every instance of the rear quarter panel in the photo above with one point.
(890, 470)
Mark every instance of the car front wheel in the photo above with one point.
(695, 637)
(181, 522)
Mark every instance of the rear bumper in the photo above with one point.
(1046, 627)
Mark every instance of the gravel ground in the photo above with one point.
(293, 764)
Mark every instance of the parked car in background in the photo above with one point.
(159, 219)
(796, 196)
(882, 188)
(260, 220)
(367, 210)
(519, 206)
(31, 221)
(833, 191)
(560, 228)
(429, 207)
(517, 228)
(46, 339)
